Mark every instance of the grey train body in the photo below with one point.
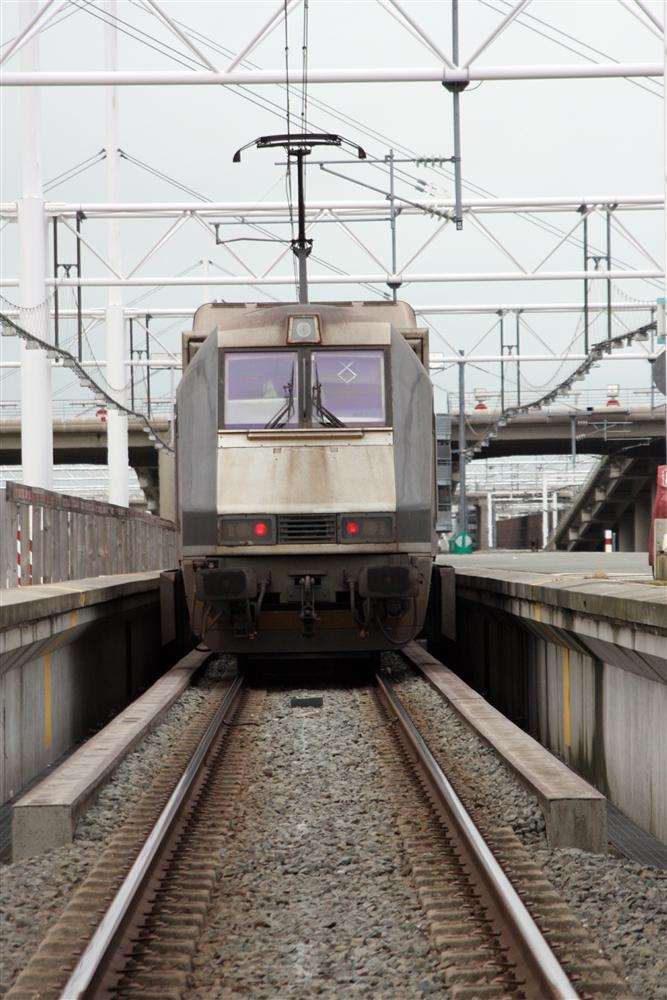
(305, 477)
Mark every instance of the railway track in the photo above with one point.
(497, 929)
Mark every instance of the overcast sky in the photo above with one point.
(574, 138)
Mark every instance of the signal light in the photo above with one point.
(260, 529)
(351, 527)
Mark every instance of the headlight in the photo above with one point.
(256, 529)
(367, 528)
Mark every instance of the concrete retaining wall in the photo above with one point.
(65, 673)
(603, 714)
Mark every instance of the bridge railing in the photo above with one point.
(48, 537)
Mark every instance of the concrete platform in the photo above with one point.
(631, 563)
(46, 816)
(575, 813)
(72, 655)
(620, 614)
(573, 648)
(24, 605)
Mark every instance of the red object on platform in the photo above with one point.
(613, 402)
(659, 506)
(481, 405)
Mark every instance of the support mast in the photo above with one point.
(116, 352)
(36, 391)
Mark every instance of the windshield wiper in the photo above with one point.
(286, 410)
(326, 417)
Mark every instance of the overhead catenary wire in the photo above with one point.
(288, 169)
(75, 170)
(304, 70)
(72, 362)
(525, 16)
(533, 220)
(49, 22)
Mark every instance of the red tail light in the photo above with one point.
(260, 529)
(367, 528)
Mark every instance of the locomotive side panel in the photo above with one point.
(197, 403)
(412, 396)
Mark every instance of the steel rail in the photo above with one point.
(99, 951)
(535, 951)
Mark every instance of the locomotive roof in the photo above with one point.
(234, 315)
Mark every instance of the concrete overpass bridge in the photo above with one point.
(601, 430)
(594, 431)
(84, 442)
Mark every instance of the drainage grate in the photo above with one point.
(306, 528)
(306, 702)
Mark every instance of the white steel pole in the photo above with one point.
(206, 270)
(116, 351)
(36, 396)
(664, 126)
(489, 521)
(545, 513)
(554, 511)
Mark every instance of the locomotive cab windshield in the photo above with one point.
(311, 387)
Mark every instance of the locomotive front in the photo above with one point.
(305, 466)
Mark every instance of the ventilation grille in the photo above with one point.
(306, 528)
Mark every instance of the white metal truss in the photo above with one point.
(346, 215)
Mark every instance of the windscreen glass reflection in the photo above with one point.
(260, 388)
(351, 385)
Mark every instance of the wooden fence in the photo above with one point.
(47, 537)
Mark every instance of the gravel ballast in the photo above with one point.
(624, 904)
(314, 896)
(34, 891)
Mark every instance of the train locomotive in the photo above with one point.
(305, 464)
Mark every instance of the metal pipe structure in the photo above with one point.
(664, 125)
(36, 391)
(586, 302)
(79, 297)
(490, 524)
(456, 89)
(131, 324)
(390, 74)
(554, 509)
(608, 230)
(147, 281)
(518, 358)
(526, 203)
(116, 350)
(301, 246)
(56, 317)
(463, 499)
(392, 203)
(435, 366)
(173, 312)
(148, 365)
(26, 29)
(512, 359)
(502, 354)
